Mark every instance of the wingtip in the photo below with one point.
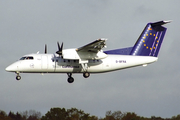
(103, 39)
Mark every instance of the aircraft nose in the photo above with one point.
(11, 68)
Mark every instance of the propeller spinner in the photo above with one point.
(59, 52)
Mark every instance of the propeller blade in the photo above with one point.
(62, 46)
(45, 51)
(58, 46)
(59, 52)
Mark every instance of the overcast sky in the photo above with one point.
(26, 26)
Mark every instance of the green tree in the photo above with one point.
(31, 115)
(12, 115)
(130, 116)
(156, 118)
(34, 115)
(18, 116)
(75, 114)
(55, 114)
(176, 117)
(70, 114)
(3, 116)
(117, 115)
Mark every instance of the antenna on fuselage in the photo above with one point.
(45, 51)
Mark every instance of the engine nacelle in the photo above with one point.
(70, 54)
(74, 55)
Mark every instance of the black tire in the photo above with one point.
(86, 75)
(18, 77)
(70, 80)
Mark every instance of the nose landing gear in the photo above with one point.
(18, 77)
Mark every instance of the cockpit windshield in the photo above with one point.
(22, 58)
(27, 58)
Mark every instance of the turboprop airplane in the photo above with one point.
(92, 59)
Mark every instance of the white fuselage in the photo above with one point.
(50, 63)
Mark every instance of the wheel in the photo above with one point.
(18, 77)
(86, 75)
(70, 80)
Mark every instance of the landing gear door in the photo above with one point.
(44, 62)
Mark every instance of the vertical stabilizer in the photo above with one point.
(150, 40)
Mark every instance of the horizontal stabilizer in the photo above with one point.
(160, 23)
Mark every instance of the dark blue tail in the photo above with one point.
(150, 40)
(148, 43)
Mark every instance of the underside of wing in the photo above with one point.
(95, 46)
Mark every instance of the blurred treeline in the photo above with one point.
(75, 114)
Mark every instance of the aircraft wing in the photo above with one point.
(94, 47)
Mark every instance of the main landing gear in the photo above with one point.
(71, 79)
(18, 77)
(86, 74)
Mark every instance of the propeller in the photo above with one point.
(45, 51)
(59, 52)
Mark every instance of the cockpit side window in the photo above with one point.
(27, 58)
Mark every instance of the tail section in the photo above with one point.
(150, 40)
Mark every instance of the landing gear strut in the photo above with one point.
(18, 77)
(85, 67)
(70, 78)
